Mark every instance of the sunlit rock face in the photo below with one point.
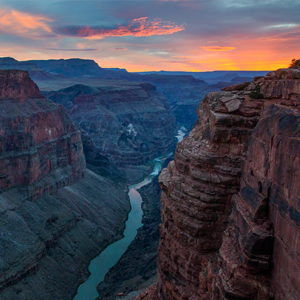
(230, 198)
(54, 214)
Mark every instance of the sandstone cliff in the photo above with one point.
(54, 214)
(230, 198)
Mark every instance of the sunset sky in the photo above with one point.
(154, 35)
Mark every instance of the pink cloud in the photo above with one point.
(137, 27)
(23, 24)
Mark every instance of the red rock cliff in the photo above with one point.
(231, 211)
(16, 84)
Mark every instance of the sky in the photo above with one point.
(153, 35)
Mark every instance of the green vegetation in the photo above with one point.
(295, 63)
(256, 94)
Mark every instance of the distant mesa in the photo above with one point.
(9, 63)
(55, 69)
(73, 67)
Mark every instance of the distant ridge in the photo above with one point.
(207, 74)
(77, 67)
(9, 63)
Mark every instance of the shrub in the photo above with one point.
(256, 94)
(295, 63)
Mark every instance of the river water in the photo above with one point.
(181, 133)
(100, 265)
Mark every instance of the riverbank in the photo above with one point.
(109, 257)
(136, 269)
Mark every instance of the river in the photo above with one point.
(100, 265)
(181, 133)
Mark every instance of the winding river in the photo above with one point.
(100, 265)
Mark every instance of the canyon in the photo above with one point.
(184, 90)
(230, 211)
(230, 206)
(70, 214)
(55, 214)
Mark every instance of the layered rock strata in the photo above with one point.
(230, 208)
(121, 124)
(17, 85)
(54, 214)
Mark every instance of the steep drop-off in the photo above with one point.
(54, 214)
(230, 198)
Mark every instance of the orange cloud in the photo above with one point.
(19, 23)
(218, 48)
(137, 27)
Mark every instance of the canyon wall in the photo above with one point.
(121, 125)
(230, 204)
(54, 214)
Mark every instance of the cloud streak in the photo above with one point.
(62, 49)
(141, 27)
(218, 48)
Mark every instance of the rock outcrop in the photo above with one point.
(54, 214)
(17, 85)
(230, 198)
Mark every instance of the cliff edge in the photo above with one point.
(230, 206)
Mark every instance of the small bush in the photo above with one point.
(295, 63)
(256, 94)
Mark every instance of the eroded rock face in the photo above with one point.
(54, 214)
(37, 139)
(197, 191)
(120, 125)
(230, 210)
(270, 196)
